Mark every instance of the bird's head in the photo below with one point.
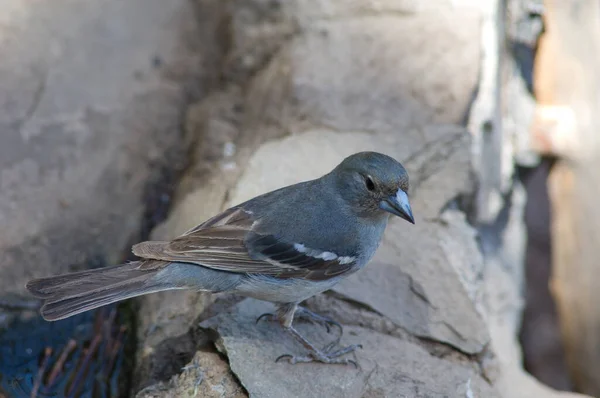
(374, 184)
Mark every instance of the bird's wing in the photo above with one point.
(231, 242)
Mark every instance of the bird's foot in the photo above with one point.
(303, 314)
(324, 356)
(307, 315)
(328, 354)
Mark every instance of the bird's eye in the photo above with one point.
(369, 183)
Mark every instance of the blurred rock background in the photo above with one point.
(127, 120)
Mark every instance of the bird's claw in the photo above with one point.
(307, 315)
(323, 321)
(324, 356)
(268, 315)
(290, 356)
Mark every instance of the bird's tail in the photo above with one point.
(70, 294)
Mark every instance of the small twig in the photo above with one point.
(81, 371)
(114, 351)
(58, 366)
(40, 373)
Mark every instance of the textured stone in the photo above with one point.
(91, 104)
(93, 98)
(311, 80)
(207, 375)
(387, 366)
(412, 280)
(313, 83)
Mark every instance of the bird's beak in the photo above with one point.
(398, 205)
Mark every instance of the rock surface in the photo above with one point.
(258, 94)
(207, 375)
(387, 366)
(400, 284)
(92, 99)
(307, 85)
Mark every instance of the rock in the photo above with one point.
(413, 262)
(387, 366)
(517, 384)
(166, 316)
(207, 375)
(306, 84)
(311, 81)
(499, 142)
(93, 102)
(163, 318)
(92, 98)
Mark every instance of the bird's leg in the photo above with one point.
(285, 315)
(304, 314)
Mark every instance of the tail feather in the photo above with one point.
(71, 294)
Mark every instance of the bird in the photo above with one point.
(283, 246)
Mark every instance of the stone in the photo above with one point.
(92, 98)
(326, 58)
(307, 84)
(206, 375)
(165, 318)
(387, 366)
(412, 280)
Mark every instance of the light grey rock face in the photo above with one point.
(94, 108)
(370, 73)
(92, 98)
(354, 83)
(312, 89)
(411, 280)
(388, 366)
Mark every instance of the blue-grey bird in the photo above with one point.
(284, 247)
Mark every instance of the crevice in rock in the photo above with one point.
(208, 340)
(168, 375)
(465, 202)
(179, 351)
(353, 302)
(431, 156)
(158, 193)
(453, 330)
(417, 290)
(35, 102)
(539, 335)
(168, 359)
(223, 355)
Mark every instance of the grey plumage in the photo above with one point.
(70, 294)
(284, 246)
